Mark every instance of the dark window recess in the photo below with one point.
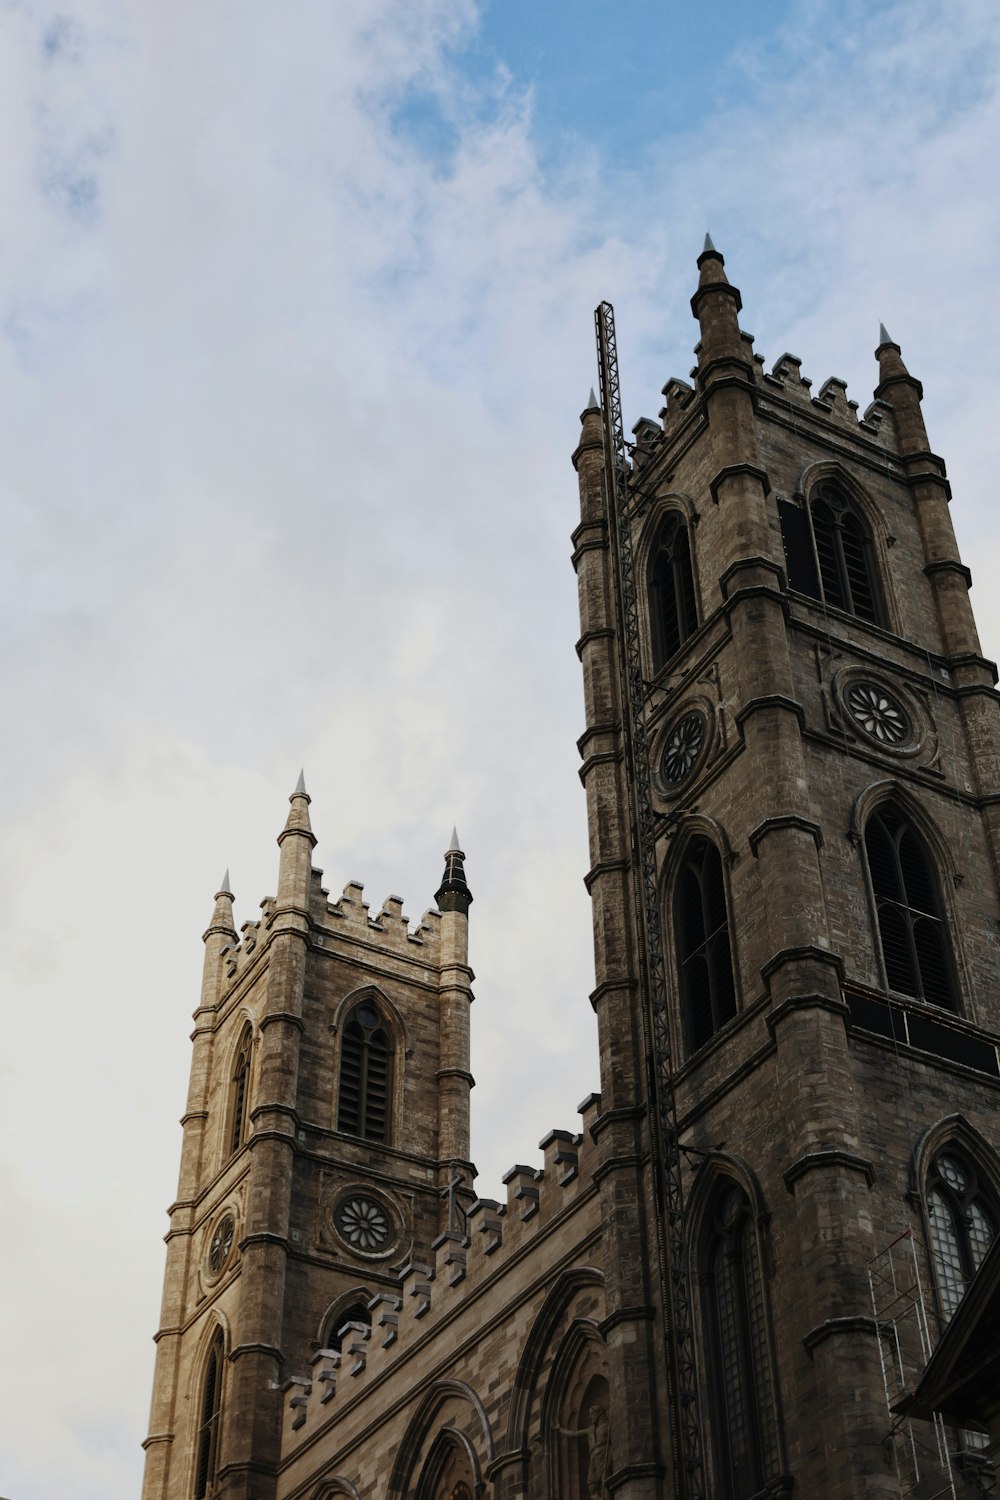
(915, 1029)
(356, 1313)
(241, 1087)
(673, 615)
(741, 1391)
(365, 1075)
(911, 925)
(846, 555)
(208, 1431)
(800, 560)
(708, 993)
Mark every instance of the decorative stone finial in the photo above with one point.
(453, 893)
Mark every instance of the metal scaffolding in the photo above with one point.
(920, 1450)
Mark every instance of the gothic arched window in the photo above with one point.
(208, 1428)
(737, 1358)
(846, 555)
(962, 1221)
(239, 1108)
(704, 958)
(911, 925)
(357, 1312)
(365, 1075)
(673, 616)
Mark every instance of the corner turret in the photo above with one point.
(455, 1081)
(296, 842)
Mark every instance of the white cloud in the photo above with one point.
(289, 407)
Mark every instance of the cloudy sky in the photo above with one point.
(295, 330)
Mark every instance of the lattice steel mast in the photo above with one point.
(689, 1474)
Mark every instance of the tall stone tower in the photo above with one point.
(326, 1134)
(719, 1283)
(820, 732)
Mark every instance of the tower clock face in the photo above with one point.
(222, 1243)
(682, 749)
(878, 713)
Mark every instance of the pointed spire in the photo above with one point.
(592, 404)
(710, 264)
(453, 893)
(222, 913)
(298, 814)
(884, 337)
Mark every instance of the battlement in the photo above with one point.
(348, 917)
(462, 1265)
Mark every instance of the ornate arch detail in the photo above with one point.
(393, 1015)
(681, 505)
(339, 1305)
(716, 1164)
(447, 1442)
(560, 1294)
(951, 1129)
(688, 826)
(336, 1486)
(215, 1321)
(419, 1428)
(814, 474)
(718, 1174)
(890, 790)
(395, 1025)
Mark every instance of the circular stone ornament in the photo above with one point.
(222, 1243)
(683, 747)
(364, 1223)
(878, 713)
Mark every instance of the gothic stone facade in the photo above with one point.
(342, 1317)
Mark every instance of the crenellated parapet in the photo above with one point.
(445, 1285)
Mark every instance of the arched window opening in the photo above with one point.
(846, 555)
(963, 1224)
(240, 1094)
(336, 1328)
(701, 924)
(365, 1075)
(208, 1430)
(673, 615)
(912, 932)
(738, 1365)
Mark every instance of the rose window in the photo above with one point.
(683, 748)
(878, 713)
(222, 1243)
(363, 1223)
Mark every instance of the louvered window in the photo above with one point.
(672, 607)
(963, 1224)
(208, 1430)
(911, 925)
(846, 555)
(365, 1075)
(701, 925)
(741, 1388)
(240, 1095)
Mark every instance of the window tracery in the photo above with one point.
(673, 613)
(211, 1415)
(240, 1093)
(738, 1365)
(363, 1101)
(912, 931)
(704, 955)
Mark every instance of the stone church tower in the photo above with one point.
(720, 1281)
